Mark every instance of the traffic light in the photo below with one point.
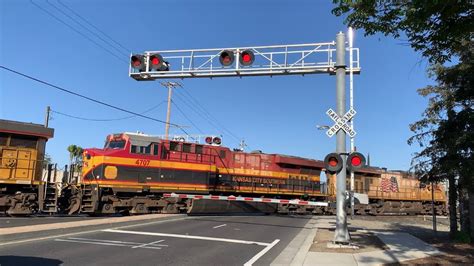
(355, 161)
(226, 58)
(137, 62)
(157, 63)
(246, 58)
(333, 162)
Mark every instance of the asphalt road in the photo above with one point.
(221, 240)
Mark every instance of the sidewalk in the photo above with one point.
(399, 247)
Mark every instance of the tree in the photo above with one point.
(75, 155)
(446, 133)
(436, 28)
(441, 31)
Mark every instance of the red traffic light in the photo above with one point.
(333, 162)
(246, 58)
(157, 63)
(356, 160)
(226, 58)
(137, 62)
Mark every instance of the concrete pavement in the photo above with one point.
(401, 247)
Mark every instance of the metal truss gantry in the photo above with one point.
(295, 59)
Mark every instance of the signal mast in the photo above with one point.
(291, 59)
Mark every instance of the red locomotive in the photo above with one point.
(132, 172)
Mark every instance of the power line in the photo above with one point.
(95, 27)
(78, 32)
(187, 118)
(87, 29)
(208, 116)
(89, 99)
(197, 111)
(107, 119)
(211, 116)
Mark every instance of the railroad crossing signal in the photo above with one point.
(341, 123)
(333, 162)
(355, 161)
(271, 60)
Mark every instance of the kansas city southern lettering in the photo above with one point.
(257, 180)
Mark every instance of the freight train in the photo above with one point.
(134, 171)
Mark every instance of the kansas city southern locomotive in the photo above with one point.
(134, 170)
(133, 173)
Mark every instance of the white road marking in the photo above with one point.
(92, 242)
(107, 243)
(188, 237)
(116, 241)
(86, 232)
(261, 253)
(217, 226)
(147, 244)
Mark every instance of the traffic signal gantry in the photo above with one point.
(294, 59)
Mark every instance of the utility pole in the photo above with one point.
(170, 86)
(46, 119)
(341, 234)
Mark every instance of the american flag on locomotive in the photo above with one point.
(389, 185)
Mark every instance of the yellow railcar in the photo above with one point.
(393, 192)
(22, 150)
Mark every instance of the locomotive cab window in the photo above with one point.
(174, 146)
(141, 149)
(199, 149)
(23, 141)
(3, 139)
(186, 147)
(115, 144)
(155, 149)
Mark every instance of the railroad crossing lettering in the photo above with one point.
(341, 122)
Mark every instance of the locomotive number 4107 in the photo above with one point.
(142, 162)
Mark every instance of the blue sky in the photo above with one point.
(275, 115)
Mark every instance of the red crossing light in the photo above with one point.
(246, 58)
(157, 63)
(226, 58)
(333, 162)
(208, 140)
(137, 62)
(355, 161)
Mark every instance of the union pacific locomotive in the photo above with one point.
(23, 190)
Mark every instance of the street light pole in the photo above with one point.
(351, 106)
(342, 234)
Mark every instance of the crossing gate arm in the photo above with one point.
(247, 199)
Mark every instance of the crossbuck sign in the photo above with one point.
(340, 122)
